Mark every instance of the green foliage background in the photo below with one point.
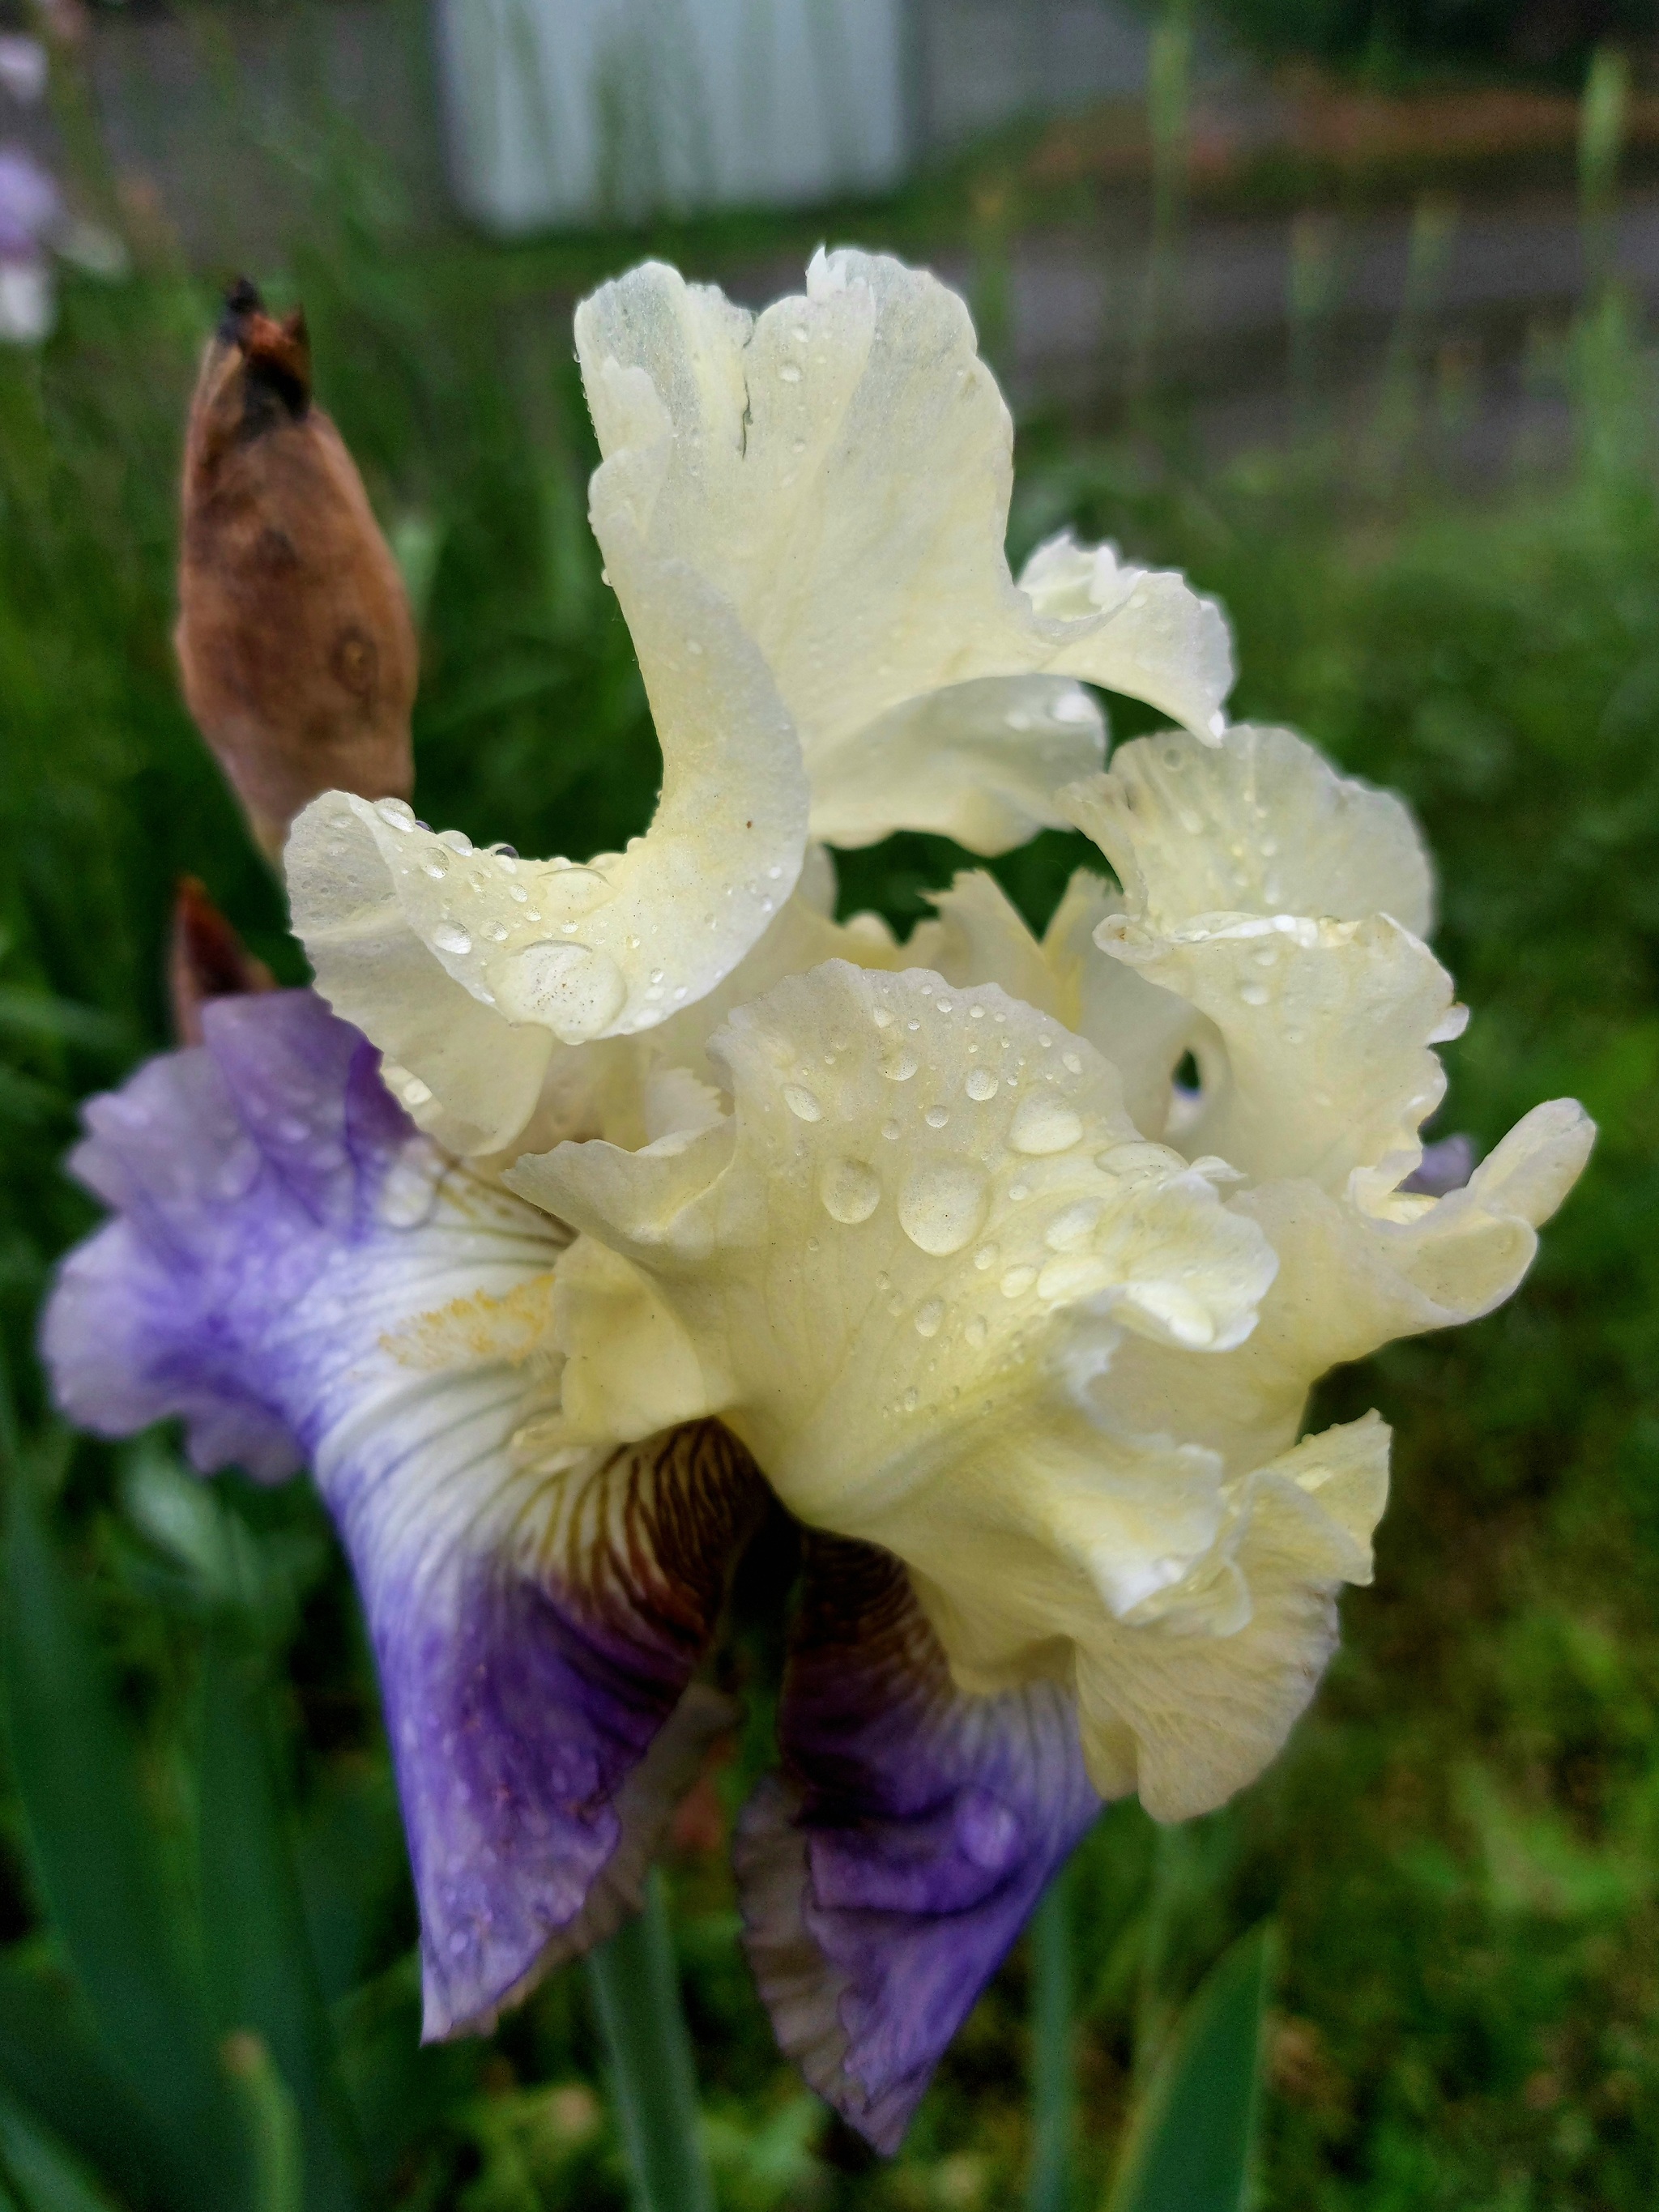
(1461, 1844)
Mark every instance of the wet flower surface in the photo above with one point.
(672, 1188)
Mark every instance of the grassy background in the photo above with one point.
(1460, 1844)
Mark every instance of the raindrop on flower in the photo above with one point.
(1018, 1281)
(851, 1191)
(936, 1117)
(897, 1065)
(449, 937)
(929, 1317)
(1043, 1125)
(981, 1084)
(943, 1206)
(802, 1103)
(575, 988)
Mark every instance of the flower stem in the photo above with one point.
(637, 1994)
(1053, 2052)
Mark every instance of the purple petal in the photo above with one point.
(1445, 1166)
(283, 1235)
(884, 1872)
(30, 205)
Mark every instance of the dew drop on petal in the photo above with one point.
(981, 1084)
(987, 1256)
(882, 1017)
(448, 938)
(977, 1331)
(1043, 1125)
(936, 1117)
(396, 812)
(1018, 1281)
(889, 1129)
(573, 989)
(802, 1103)
(897, 1065)
(851, 1191)
(943, 1206)
(929, 1317)
(1254, 995)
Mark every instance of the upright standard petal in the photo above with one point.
(469, 968)
(302, 1277)
(898, 1272)
(839, 469)
(884, 1872)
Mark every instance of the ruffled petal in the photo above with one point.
(470, 969)
(1261, 824)
(1282, 904)
(980, 938)
(1199, 1690)
(840, 471)
(895, 1271)
(885, 1871)
(1350, 1280)
(304, 1277)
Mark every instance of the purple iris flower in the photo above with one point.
(295, 1273)
(31, 207)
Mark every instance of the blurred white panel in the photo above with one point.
(577, 111)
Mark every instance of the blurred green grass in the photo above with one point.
(1460, 1844)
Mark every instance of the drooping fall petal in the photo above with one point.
(305, 1279)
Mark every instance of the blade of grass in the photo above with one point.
(98, 1865)
(53, 2066)
(1191, 2147)
(260, 1970)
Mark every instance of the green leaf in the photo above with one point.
(1191, 2146)
(260, 1969)
(50, 2063)
(44, 2175)
(97, 1860)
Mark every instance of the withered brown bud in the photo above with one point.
(294, 637)
(206, 960)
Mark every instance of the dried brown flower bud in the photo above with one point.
(295, 638)
(206, 960)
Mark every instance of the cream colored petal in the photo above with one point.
(839, 473)
(894, 1274)
(1349, 1282)
(980, 761)
(980, 937)
(1261, 824)
(1190, 1705)
(1141, 631)
(1316, 1059)
(469, 967)
(1141, 1029)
